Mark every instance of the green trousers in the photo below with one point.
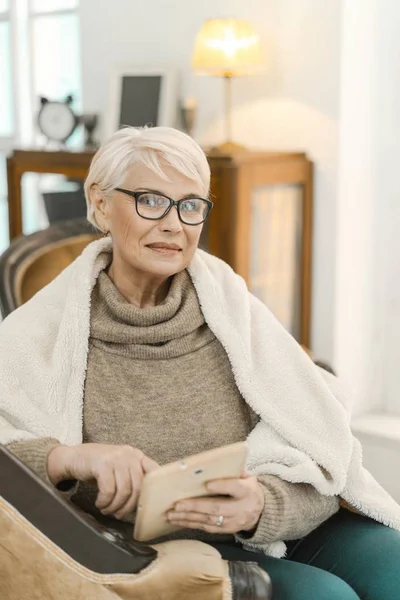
(349, 557)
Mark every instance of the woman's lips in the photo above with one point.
(164, 249)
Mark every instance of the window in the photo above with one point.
(6, 113)
(6, 96)
(56, 73)
(53, 5)
(39, 56)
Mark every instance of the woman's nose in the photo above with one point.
(171, 221)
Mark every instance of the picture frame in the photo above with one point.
(141, 95)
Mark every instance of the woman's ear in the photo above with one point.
(101, 208)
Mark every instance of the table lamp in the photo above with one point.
(227, 48)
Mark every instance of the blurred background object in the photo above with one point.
(142, 95)
(89, 122)
(66, 202)
(188, 114)
(227, 48)
(56, 120)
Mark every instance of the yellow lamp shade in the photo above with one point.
(226, 47)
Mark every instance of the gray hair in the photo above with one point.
(149, 146)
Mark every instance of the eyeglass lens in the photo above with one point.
(153, 206)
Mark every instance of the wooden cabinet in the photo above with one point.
(261, 222)
(71, 164)
(261, 225)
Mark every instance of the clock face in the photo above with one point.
(56, 120)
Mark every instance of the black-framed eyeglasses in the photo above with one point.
(154, 206)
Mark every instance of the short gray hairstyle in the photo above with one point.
(153, 147)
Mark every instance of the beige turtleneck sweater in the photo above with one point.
(159, 380)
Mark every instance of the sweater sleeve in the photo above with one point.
(291, 511)
(34, 453)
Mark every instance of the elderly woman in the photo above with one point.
(147, 349)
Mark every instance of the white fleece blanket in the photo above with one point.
(304, 434)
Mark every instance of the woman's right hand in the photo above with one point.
(118, 472)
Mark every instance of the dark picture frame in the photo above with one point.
(143, 96)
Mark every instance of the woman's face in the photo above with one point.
(138, 241)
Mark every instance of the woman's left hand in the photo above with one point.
(240, 512)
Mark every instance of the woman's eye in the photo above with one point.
(152, 201)
(189, 206)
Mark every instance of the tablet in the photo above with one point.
(185, 478)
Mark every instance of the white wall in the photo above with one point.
(293, 106)
(367, 330)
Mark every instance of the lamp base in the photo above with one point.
(227, 149)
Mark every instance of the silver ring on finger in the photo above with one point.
(219, 521)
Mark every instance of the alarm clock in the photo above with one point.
(56, 120)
